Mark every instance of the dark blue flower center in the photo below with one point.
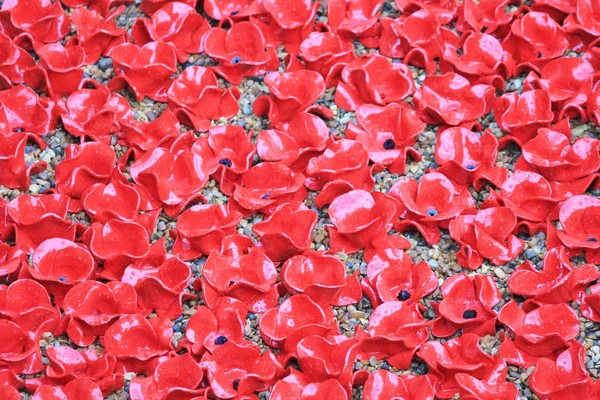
(592, 239)
(236, 60)
(470, 167)
(403, 295)
(469, 314)
(226, 162)
(220, 340)
(266, 196)
(389, 144)
(432, 212)
(236, 384)
(61, 279)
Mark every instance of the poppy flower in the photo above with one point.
(355, 19)
(97, 34)
(26, 303)
(242, 273)
(83, 389)
(387, 133)
(146, 136)
(118, 244)
(396, 330)
(267, 186)
(195, 97)
(491, 17)
(59, 71)
(12, 260)
(91, 307)
(584, 19)
(241, 51)
(384, 384)
(116, 200)
(295, 144)
(43, 20)
(590, 303)
(493, 386)
(459, 356)
(593, 105)
(343, 166)
(83, 166)
(360, 219)
(290, 23)
(486, 234)
(145, 70)
(577, 216)
(450, 99)
(429, 204)
(168, 381)
(176, 24)
(468, 305)
(372, 79)
(100, 6)
(25, 111)
(14, 173)
(543, 332)
(287, 231)
(207, 329)
(15, 60)
(149, 7)
(19, 351)
(291, 93)
(320, 276)
(297, 317)
(296, 386)
(391, 276)
(444, 10)
(327, 53)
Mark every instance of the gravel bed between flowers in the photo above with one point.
(242, 199)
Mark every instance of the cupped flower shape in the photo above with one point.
(396, 330)
(19, 350)
(175, 23)
(388, 133)
(241, 51)
(444, 10)
(391, 276)
(456, 357)
(208, 329)
(91, 307)
(97, 34)
(355, 19)
(12, 260)
(145, 70)
(149, 7)
(14, 173)
(584, 21)
(343, 166)
(467, 305)
(486, 235)
(116, 200)
(196, 98)
(450, 99)
(223, 9)
(543, 332)
(25, 111)
(429, 204)
(103, 7)
(287, 231)
(593, 105)
(590, 303)
(290, 22)
(238, 370)
(267, 186)
(297, 386)
(43, 20)
(84, 165)
(83, 389)
(15, 60)
(372, 79)
(291, 93)
(59, 71)
(146, 136)
(167, 381)
(469, 158)
(383, 384)
(360, 219)
(523, 115)
(283, 327)
(327, 53)
(578, 216)
(295, 144)
(492, 386)
(491, 17)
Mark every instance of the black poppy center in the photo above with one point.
(389, 144)
(226, 162)
(236, 60)
(403, 295)
(470, 167)
(231, 283)
(236, 384)
(220, 340)
(61, 279)
(266, 196)
(234, 13)
(469, 314)
(592, 240)
(432, 212)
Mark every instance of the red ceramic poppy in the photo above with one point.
(320, 276)
(396, 330)
(522, 116)
(91, 307)
(14, 173)
(25, 111)
(590, 303)
(343, 166)
(593, 105)
(355, 19)
(118, 244)
(267, 186)
(27, 304)
(577, 216)
(287, 231)
(326, 53)
(223, 9)
(291, 93)
(83, 389)
(159, 132)
(444, 10)
(418, 39)
(149, 7)
(492, 386)
(195, 97)
(491, 17)
(208, 329)
(372, 79)
(450, 99)
(486, 235)
(360, 219)
(145, 70)
(19, 351)
(383, 384)
(11, 261)
(387, 133)
(296, 318)
(296, 386)
(100, 6)
(15, 60)
(168, 381)
(295, 144)
(83, 166)
(290, 21)
(459, 356)
(113, 201)
(584, 19)
(543, 332)
(96, 34)
(468, 305)
(429, 204)
(59, 71)
(43, 20)
(175, 23)
(239, 370)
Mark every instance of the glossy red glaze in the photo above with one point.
(19, 351)
(15, 61)
(355, 19)
(42, 20)
(326, 53)
(491, 17)
(290, 21)
(14, 173)
(296, 386)
(384, 384)
(23, 110)
(577, 216)
(96, 34)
